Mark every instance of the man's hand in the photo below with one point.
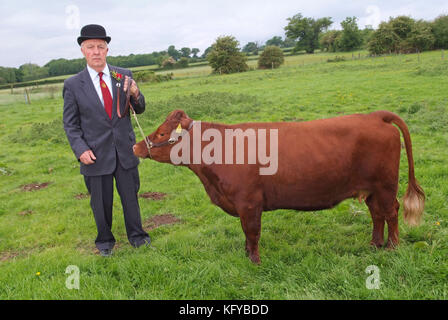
(87, 157)
(134, 89)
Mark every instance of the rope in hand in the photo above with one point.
(129, 106)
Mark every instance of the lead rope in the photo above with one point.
(128, 104)
(141, 130)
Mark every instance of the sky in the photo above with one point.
(39, 31)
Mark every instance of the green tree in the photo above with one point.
(288, 43)
(172, 52)
(206, 52)
(421, 37)
(32, 71)
(401, 35)
(226, 57)
(185, 52)
(306, 31)
(366, 35)
(351, 37)
(182, 63)
(401, 26)
(271, 57)
(275, 41)
(440, 32)
(330, 40)
(195, 52)
(251, 48)
(384, 40)
(7, 75)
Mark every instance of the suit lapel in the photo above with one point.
(91, 93)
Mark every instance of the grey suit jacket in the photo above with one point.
(88, 126)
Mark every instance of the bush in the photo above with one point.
(168, 63)
(401, 35)
(420, 38)
(330, 40)
(272, 57)
(226, 57)
(150, 76)
(440, 31)
(182, 63)
(383, 40)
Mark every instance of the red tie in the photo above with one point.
(107, 98)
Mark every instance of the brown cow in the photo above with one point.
(320, 164)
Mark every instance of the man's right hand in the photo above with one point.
(87, 157)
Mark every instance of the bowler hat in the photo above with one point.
(93, 31)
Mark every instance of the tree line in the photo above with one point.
(401, 34)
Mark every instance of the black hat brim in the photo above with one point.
(81, 39)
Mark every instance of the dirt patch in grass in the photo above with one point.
(159, 220)
(153, 195)
(5, 256)
(34, 186)
(81, 196)
(25, 213)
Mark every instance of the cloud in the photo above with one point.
(40, 31)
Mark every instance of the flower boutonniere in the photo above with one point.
(117, 76)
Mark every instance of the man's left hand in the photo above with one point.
(134, 89)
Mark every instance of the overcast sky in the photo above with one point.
(38, 31)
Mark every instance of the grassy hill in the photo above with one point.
(305, 255)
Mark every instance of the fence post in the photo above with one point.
(27, 96)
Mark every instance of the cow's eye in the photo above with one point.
(162, 134)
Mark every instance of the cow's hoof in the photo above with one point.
(255, 259)
(376, 244)
(391, 246)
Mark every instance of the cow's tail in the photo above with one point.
(414, 199)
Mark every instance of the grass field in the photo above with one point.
(305, 255)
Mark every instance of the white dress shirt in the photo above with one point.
(96, 81)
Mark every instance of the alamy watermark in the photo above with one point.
(227, 149)
(73, 17)
(373, 281)
(72, 281)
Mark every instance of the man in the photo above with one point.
(101, 140)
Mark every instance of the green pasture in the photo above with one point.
(305, 255)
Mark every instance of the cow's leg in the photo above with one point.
(392, 226)
(251, 222)
(383, 206)
(378, 222)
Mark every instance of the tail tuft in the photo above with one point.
(413, 204)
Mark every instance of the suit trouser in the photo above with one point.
(101, 190)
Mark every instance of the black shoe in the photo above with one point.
(144, 242)
(106, 252)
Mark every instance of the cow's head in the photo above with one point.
(162, 140)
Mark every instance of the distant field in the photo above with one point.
(42, 91)
(305, 255)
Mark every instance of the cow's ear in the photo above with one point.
(177, 115)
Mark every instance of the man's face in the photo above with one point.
(95, 52)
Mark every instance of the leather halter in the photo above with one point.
(170, 141)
